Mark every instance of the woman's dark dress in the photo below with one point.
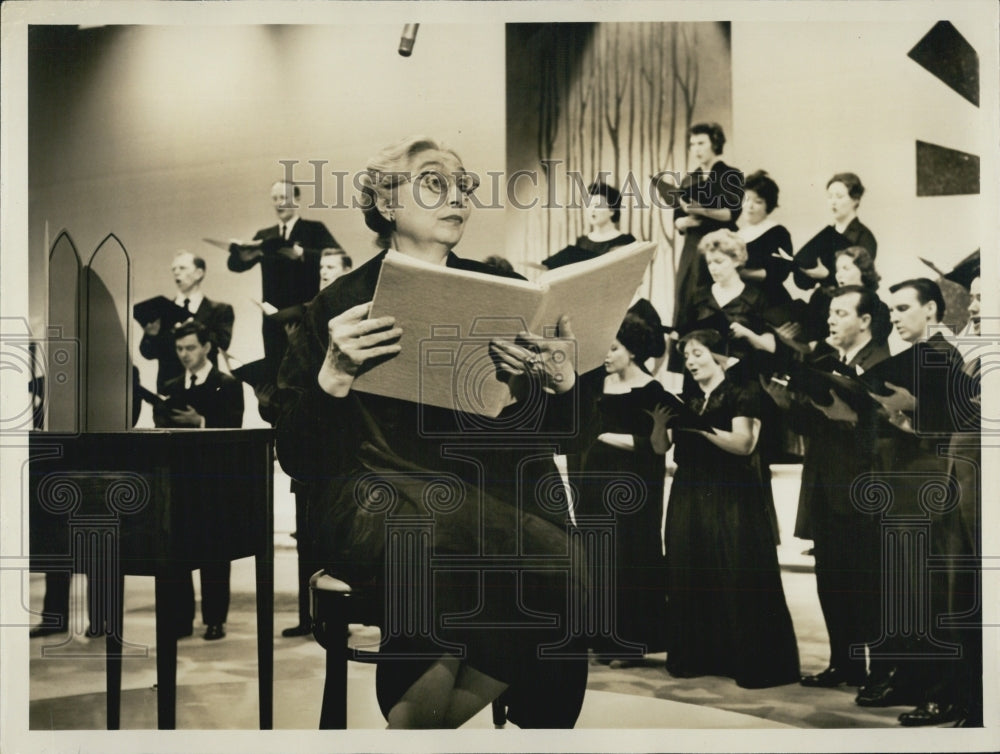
(747, 309)
(824, 246)
(385, 472)
(726, 604)
(721, 187)
(585, 249)
(760, 256)
(639, 565)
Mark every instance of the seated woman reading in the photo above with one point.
(455, 637)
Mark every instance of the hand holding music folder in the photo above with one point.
(161, 308)
(671, 194)
(449, 317)
(683, 418)
(816, 380)
(168, 402)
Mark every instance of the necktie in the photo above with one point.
(190, 382)
(187, 305)
(281, 230)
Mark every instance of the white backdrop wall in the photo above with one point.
(814, 99)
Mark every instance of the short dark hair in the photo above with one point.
(192, 327)
(926, 289)
(869, 303)
(500, 265)
(714, 132)
(609, 192)
(713, 340)
(855, 189)
(345, 260)
(763, 186)
(864, 262)
(866, 298)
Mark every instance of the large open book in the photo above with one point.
(449, 316)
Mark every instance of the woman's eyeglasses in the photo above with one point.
(438, 183)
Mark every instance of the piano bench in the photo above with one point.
(335, 604)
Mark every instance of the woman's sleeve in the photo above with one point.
(746, 401)
(778, 269)
(313, 428)
(731, 192)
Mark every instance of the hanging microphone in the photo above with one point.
(407, 39)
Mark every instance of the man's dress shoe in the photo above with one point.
(300, 630)
(39, 631)
(931, 713)
(885, 692)
(215, 631)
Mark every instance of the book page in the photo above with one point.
(448, 318)
(595, 296)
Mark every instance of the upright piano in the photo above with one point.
(155, 503)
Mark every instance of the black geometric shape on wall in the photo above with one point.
(945, 172)
(946, 54)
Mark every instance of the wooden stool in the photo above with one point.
(334, 605)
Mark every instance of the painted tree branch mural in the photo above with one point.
(613, 99)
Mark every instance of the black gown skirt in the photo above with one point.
(639, 578)
(727, 611)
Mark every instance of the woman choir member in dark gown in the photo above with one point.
(815, 260)
(603, 211)
(726, 606)
(375, 463)
(626, 447)
(736, 308)
(729, 299)
(769, 245)
(711, 199)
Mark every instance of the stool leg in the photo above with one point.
(333, 627)
(333, 715)
(499, 714)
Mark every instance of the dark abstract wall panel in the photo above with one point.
(945, 172)
(946, 54)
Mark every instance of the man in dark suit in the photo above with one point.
(217, 318)
(201, 398)
(917, 431)
(841, 442)
(290, 275)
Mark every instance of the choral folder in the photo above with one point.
(449, 316)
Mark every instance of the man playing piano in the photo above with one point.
(201, 397)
